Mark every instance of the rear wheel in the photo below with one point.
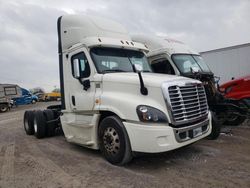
(28, 122)
(50, 126)
(114, 141)
(39, 124)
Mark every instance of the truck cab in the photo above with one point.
(7, 93)
(170, 56)
(237, 89)
(26, 98)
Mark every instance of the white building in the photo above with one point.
(233, 61)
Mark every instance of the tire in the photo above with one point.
(50, 127)
(33, 101)
(113, 141)
(28, 122)
(216, 127)
(235, 121)
(4, 108)
(39, 124)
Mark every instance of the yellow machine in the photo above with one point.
(52, 96)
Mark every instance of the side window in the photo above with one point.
(10, 91)
(162, 66)
(84, 65)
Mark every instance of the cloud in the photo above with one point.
(28, 39)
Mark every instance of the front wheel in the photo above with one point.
(4, 108)
(216, 127)
(113, 141)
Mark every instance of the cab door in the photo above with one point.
(82, 88)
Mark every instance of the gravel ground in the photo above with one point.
(52, 162)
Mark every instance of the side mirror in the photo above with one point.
(194, 70)
(137, 67)
(76, 68)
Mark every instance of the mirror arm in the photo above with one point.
(144, 90)
(85, 83)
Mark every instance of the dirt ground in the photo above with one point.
(52, 162)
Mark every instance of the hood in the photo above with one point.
(236, 81)
(150, 79)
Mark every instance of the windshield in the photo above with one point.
(118, 60)
(184, 62)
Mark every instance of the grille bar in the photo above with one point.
(188, 102)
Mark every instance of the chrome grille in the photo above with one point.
(188, 102)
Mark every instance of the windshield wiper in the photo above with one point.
(113, 70)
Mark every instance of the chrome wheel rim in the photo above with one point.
(111, 141)
(232, 117)
(35, 126)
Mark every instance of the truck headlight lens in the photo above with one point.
(150, 114)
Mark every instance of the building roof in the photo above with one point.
(227, 48)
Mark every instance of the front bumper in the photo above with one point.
(155, 138)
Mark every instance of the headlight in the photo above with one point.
(150, 114)
(229, 89)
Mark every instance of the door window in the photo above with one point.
(84, 65)
(162, 66)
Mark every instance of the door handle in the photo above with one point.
(73, 99)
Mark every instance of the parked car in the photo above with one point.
(40, 96)
(26, 98)
(237, 89)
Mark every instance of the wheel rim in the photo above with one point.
(35, 126)
(232, 118)
(3, 109)
(26, 124)
(111, 141)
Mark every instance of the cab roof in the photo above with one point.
(94, 31)
(157, 45)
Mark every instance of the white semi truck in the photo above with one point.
(112, 101)
(173, 57)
